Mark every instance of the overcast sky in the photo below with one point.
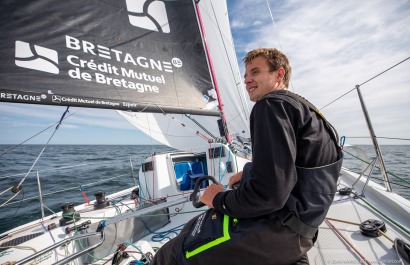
(332, 47)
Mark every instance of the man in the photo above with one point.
(285, 193)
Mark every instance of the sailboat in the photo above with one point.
(170, 69)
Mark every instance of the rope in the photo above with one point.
(362, 258)
(6, 190)
(10, 199)
(159, 236)
(226, 167)
(352, 223)
(404, 229)
(21, 247)
(139, 250)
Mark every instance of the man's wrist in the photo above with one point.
(218, 203)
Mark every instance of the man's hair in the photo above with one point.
(275, 59)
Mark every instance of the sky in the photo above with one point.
(332, 47)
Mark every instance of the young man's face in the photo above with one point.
(259, 81)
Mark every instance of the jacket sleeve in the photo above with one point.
(273, 173)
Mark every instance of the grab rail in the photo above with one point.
(64, 242)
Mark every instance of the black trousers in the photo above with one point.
(268, 243)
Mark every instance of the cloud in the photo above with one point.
(334, 46)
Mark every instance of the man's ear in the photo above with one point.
(281, 73)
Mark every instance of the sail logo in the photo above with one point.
(56, 99)
(148, 14)
(117, 55)
(36, 57)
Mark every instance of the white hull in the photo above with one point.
(340, 240)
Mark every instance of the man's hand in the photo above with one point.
(210, 193)
(235, 178)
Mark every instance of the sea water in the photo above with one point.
(65, 169)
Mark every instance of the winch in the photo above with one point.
(100, 201)
(69, 214)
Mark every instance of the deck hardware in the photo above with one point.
(135, 193)
(345, 191)
(16, 188)
(51, 226)
(100, 201)
(69, 214)
(79, 227)
(119, 255)
(372, 227)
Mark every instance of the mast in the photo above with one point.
(208, 55)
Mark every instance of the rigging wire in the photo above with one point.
(244, 105)
(391, 182)
(28, 139)
(385, 71)
(63, 167)
(381, 137)
(277, 36)
(366, 82)
(165, 134)
(44, 148)
(274, 25)
(364, 161)
(212, 72)
(187, 127)
(200, 126)
(175, 120)
(337, 98)
(229, 40)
